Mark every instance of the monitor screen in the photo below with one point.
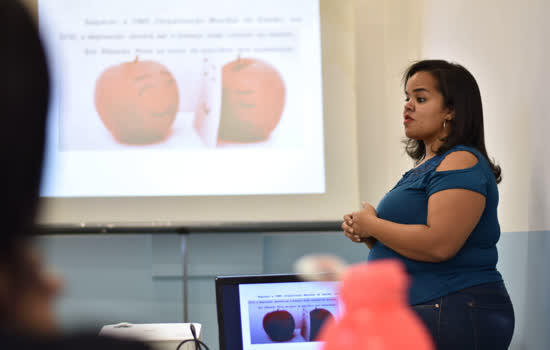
(260, 312)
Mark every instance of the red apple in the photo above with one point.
(137, 101)
(317, 318)
(253, 99)
(279, 325)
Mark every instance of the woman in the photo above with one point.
(27, 291)
(440, 219)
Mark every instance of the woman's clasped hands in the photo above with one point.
(357, 225)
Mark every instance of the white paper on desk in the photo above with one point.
(161, 336)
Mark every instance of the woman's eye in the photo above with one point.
(420, 99)
(407, 99)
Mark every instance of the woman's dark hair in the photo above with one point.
(460, 94)
(24, 95)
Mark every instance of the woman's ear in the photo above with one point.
(450, 115)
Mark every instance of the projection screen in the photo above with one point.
(172, 112)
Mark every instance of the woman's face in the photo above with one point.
(424, 112)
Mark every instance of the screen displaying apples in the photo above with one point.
(184, 98)
(286, 315)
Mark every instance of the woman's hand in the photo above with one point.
(352, 227)
(361, 220)
(348, 230)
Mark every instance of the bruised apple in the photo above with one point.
(314, 322)
(253, 99)
(279, 325)
(137, 101)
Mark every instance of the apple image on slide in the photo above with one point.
(279, 325)
(313, 323)
(253, 100)
(137, 101)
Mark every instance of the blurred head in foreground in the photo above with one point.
(374, 298)
(376, 313)
(26, 291)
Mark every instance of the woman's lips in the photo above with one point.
(408, 119)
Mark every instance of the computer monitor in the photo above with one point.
(260, 311)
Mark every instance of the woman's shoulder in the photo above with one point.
(459, 157)
(463, 163)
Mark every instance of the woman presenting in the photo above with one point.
(440, 219)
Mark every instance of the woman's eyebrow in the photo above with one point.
(421, 89)
(418, 90)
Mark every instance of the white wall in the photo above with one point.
(502, 43)
(539, 106)
(388, 39)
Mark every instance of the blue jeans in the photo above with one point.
(475, 318)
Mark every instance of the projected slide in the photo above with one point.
(172, 98)
(286, 313)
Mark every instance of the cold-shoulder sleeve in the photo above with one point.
(474, 179)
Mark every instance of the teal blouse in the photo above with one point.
(407, 203)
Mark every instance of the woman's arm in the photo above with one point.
(452, 216)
